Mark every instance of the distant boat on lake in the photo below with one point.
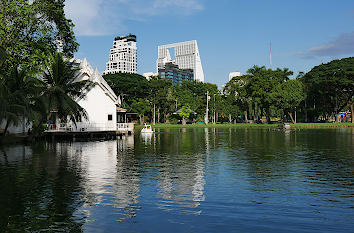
(147, 129)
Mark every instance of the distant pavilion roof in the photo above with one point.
(178, 112)
(119, 109)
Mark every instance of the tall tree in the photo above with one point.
(236, 89)
(17, 92)
(129, 86)
(263, 86)
(31, 30)
(331, 87)
(230, 108)
(185, 113)
(158, 96)
(290, 95)
(61, 92)
(141, 106)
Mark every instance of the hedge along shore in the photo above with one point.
(255, 126)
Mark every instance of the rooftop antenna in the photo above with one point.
(270, 55)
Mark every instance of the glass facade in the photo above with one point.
(176, 75)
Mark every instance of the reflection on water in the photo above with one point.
(182, 180)
(147, 138)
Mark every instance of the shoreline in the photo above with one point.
(255, 126)
(13, 139)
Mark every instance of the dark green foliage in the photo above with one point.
(61, 92)
(161, 96)
(30, 31)
(23, 96)
(263, 86)
(330, 87)
(290, 95)
(236, 98)
(129, 86)
(142, 107)
(259, 90)
(17, 90)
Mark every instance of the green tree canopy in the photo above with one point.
(330, 87)
(31, 31)
(237, 95)
(140, 106)
(60, 92)
(185, 113)
(290, 95)
(129, 86)
(263, 86)
(159, 96)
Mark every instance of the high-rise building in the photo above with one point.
(172, 72)
(122, 56)
(185, 56)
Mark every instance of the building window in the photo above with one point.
(110, 117)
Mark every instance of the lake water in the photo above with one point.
(182, 180)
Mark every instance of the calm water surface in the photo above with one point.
(182, 180)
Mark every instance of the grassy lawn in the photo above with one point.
(321, 125)
(260, 126)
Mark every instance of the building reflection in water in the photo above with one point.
(126, 183)
(181, 175)
(111, 176)
(181, 185)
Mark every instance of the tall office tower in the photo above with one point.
(186, 56)
(122, 56)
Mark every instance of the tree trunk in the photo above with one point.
(141, 119)
(230, 119)
(158, 115)
(166, 118)
(291, 117)
(306, 111)
(268, 115)
(352, 110)
(6, 126)
(153, 117)
(295, 117)
(246, 117)
(184, 121)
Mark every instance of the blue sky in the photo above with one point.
(232, 35)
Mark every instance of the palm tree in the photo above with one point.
(17, 91)
(13, 93)
(60, 92)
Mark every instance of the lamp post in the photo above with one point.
(207, 108)
(214, 110)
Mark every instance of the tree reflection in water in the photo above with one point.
(193, 179)
(40, 190)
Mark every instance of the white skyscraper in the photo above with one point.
(186, 56)
(122, 56)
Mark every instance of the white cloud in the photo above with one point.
(104, 17)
